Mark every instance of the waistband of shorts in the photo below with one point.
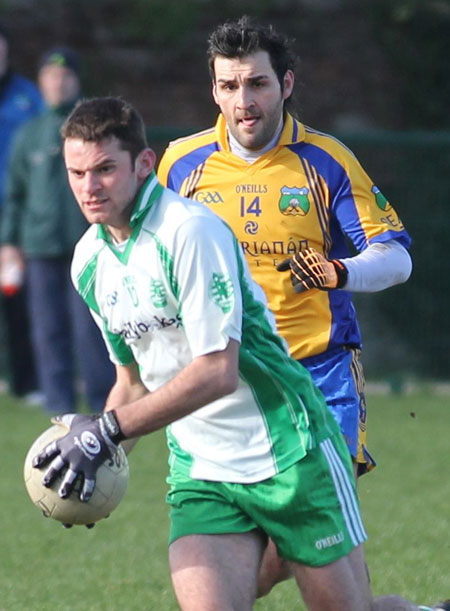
(323, 357)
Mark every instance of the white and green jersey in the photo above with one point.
(177, 289)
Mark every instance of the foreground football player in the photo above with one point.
(249, 435)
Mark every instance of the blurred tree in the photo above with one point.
(364, 63)
(415, 35)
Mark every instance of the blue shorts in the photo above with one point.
(339, 375)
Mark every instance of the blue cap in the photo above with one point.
(61, 56)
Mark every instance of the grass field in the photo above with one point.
(121, 564)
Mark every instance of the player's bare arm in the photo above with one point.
(127, 388)
(204, 380)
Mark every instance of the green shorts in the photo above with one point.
(310, 510)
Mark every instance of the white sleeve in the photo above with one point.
(378, 267)
(209, 289)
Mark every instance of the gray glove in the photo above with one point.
(91, 439)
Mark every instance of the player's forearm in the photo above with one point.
(378, 267)
(204, 380)
(127, 388)
(121, 394)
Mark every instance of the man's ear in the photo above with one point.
(288, 84)
(214, 92)
(145, 162)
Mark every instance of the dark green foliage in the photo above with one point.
(415, 37)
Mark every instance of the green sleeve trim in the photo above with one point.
(86, 288)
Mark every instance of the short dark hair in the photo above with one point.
(97, 119)
(237, 39)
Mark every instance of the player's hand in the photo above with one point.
(81, 451)
(311, 270)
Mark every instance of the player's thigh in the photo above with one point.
(216, 572)
(342, 585)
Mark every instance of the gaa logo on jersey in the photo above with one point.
(208, 197)
(294, 201)
(158, 293)
(221, 291)
(380, 200)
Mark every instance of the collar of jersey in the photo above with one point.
(293, 132)
(148, 194)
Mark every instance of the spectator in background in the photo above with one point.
(40, 226)
(20, 100)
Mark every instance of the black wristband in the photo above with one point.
(342, 273)
(112, 426)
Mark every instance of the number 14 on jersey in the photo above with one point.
(250, 207)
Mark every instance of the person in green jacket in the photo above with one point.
(39, 228)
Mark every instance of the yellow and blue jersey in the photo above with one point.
(309, 190)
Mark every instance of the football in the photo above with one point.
(111, 485)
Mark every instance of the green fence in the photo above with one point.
(406, 329)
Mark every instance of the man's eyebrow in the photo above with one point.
(108, 161)
(258, 77)
(231, 79)
(226, 79)
(105, 161)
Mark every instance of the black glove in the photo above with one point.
(88, 526)
(311, 270)
(90, 440)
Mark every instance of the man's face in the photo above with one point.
(249, 95)
(58, 84)
(105, 182)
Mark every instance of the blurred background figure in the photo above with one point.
(20, 100)
(40, 225)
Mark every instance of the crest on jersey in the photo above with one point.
(380, 200)
(129, 283)
(158, 293)
(294, 201)
(221, 291)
